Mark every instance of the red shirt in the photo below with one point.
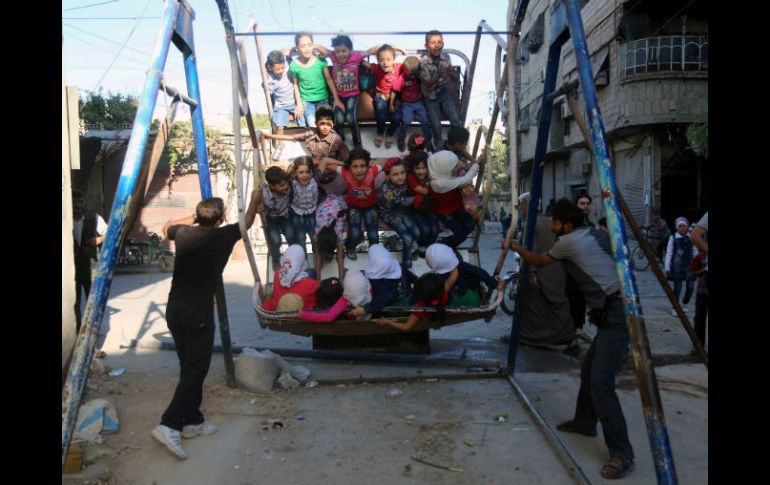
(385, 80)
(447, 202)
(305, 288)
(412, 181)
(409, 87)
(361, 194)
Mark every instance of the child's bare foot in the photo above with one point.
(378, 141)
(389, 142)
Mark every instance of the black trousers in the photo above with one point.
(193, 333)
(85, 283)
(597, 400)
(577, 304)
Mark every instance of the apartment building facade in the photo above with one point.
(650, 65)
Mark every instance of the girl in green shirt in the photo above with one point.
(311, 80)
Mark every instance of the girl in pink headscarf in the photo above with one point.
(680, 254)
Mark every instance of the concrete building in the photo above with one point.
(650, 64)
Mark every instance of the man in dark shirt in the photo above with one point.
(585, 252)
(202, 252)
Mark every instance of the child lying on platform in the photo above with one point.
(428, 291)
(356, 292)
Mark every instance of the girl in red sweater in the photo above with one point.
(447, 196)
(419, 187)
(361, 199)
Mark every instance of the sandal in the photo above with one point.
(614, 471)
(389, 142)
(378, 141)
(351, 254)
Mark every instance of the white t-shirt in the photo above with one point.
(77, 229)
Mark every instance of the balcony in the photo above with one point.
(667, 54)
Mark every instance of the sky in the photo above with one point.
(108, 43)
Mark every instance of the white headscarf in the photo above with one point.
(440, 166)
(441, 258)
(292, 266)
(381, 264)
(356, 288)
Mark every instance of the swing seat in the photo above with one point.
(288, 321)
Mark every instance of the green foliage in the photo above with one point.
(179, 151)
(111, 110)
(498, 166)
(698, 135)
(261, 121)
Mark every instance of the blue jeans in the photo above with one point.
(443, 103)
(350, 116)
(597, 399)
(355, 235)
(383, 114)
(302, 225)
(411, 112)
(689, 287)
(274, 227)
(310, 109)
(460, 223)
(281, 116)
(409, 232)
(428, 223)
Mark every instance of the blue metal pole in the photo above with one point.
(92, 318)
(543, 128)
(653, 409)
(196, 115)
(185, 31)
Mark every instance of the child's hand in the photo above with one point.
(392, 108)
(299, 111)
(338, 104)
(357, 312)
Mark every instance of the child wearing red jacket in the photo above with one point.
(419, 187)
(361, 199)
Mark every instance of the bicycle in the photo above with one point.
(638, 259)
(156, 252)
(511, 279)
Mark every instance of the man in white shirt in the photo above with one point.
(88, 233)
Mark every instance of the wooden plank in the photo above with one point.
(73, 126)
(74, 460)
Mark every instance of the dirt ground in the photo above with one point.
(356, 433)
(336, 433)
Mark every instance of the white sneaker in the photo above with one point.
(170, 438)
(674, 313)
(685, 309)
(193, 430)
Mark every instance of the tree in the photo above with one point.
(698, 135)
(110, 110)
(498, 166)
(180, 155)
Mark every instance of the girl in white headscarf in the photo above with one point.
(460, 277)
(391, 282)
(447, 196)
(291, 277)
